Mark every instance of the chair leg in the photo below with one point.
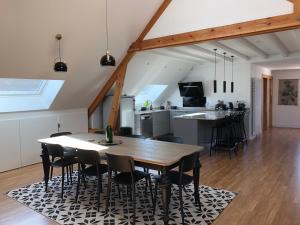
(98, 192)
(150, 187)
(108, 193)
(71, 172)
(181, 203)
(51, 172)
(62, 181)
(78, 186)
(67, 170)
(155, 197)
(211, 141)
(119, 192)
(133, 202)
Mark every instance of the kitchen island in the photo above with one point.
(196, 128)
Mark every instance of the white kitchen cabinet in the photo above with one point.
(10, 145)
(32, 129)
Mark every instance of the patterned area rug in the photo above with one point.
(67, 211)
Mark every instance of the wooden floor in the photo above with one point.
(266, 177)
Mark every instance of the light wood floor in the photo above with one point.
(266, 177)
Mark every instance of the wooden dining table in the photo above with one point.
(152, 154)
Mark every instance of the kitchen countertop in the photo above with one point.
(167, 110)
(206, 115)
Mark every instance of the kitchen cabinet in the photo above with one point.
(178, 113)
(161, 123)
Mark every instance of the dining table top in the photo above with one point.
(141, 150)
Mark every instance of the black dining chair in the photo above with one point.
(57, 153)
(181, 179)
(125, 174)
(89, 164)
(68, 152)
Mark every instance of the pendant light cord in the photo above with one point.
(106, 10)
(59, 54)
(215, 63)
(232, 57)
(224, 65)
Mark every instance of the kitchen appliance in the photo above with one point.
(126, 115)
(230, 104)
(146, 125)
(194, 102)
(241, 106)
(191, 89)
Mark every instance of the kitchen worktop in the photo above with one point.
(206, 115)
(170, 110)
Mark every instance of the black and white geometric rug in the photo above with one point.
(67, 211)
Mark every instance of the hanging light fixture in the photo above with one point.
(59, 66)
(232, 84)
(107, 59)
(215, 80)
(224, 81)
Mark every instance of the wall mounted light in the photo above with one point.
(59, 66)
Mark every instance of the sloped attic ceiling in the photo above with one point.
(28, 46)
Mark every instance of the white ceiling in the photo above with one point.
(281, 49)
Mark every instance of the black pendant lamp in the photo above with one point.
(224, 81)
(59, 66)
(107, 59)
(232, 84)
(215, 80)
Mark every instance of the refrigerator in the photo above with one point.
(126, 111)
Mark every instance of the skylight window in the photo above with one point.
(21, 86)
(149, 93)
(27, 94)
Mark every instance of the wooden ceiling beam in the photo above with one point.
(113, 78)
(252, 47)
(109, 83)
(255, 27)
(188, 54)
(230, 50)
(279, 44)
(206, 51)
(175, 57)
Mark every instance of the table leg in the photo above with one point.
(196, 175)
(46, 164)
(166, 194)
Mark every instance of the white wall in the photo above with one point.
(256, 74)
(19, 133)
(205, 73)
(145, 69)
(28, 46)
(283, 115)
(189, 15)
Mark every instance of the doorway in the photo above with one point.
(267, 102)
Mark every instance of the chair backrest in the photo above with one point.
(125, 131)
(55, 150)
(170, 139)
(188, 163)
(136, 136)
(60, 134)
(87, 156)
(120, 163)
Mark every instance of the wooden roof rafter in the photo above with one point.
(254, 27)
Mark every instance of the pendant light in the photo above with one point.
(232, 84)
(107, 59)
(59, 66)
(224, 81)
(215, 80)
